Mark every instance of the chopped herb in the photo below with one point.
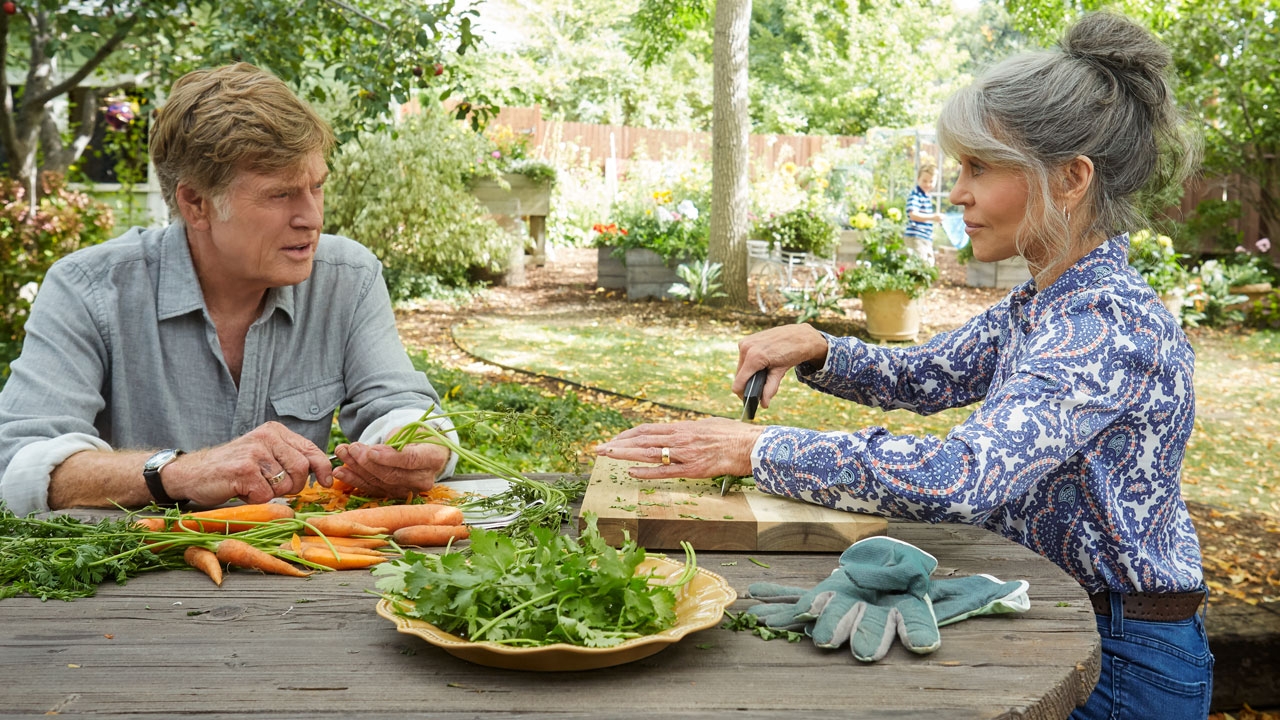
(763, 565)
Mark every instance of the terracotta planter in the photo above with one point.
(1254, 292)
(892, 315)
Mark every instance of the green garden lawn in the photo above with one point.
(688, 363)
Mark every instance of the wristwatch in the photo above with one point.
(151, 473)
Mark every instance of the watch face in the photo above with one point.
(159, 460)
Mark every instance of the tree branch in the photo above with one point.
(359, 13)
(104, 51)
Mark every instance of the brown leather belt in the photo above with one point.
(1157, 607)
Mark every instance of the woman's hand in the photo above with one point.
(698, 449)
(387, 472)
(779, 349)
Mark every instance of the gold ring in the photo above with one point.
(666, 456)
(275, 479)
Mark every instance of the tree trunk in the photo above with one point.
(730, 128)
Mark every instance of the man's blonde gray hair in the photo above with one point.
(220, 121)
(1103, 93)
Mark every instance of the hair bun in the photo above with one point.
(1116, 43)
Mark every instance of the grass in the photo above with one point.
(1232, 459)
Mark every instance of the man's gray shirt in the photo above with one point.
(121, 352)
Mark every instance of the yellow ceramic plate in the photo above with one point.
(699, 605)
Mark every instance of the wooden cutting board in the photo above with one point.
(658, 514)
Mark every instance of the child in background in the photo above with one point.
(921, 214)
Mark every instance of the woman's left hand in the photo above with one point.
(698, 449)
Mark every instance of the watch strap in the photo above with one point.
(156, 486)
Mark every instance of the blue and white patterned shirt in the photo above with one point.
(1075, 452)
(919, 202)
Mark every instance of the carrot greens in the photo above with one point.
(548, 588)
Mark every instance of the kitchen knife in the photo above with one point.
(750, 402)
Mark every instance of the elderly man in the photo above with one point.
(203, 361)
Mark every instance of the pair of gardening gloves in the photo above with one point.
(883, 588)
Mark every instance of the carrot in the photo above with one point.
(204, 561)
(431, 535)
(345, 542)
(337, 526)
(394, 517)
(153, 524)
(222, 520)
(303, 546)
(345, 560)
(242, 554)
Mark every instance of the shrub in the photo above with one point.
(63, 221)
(701, 282)
(1155, 258)
(402, 193)
(884, 263)
(665, 207)
(799, 230)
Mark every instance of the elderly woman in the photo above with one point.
(1083, 377)
(204, 361)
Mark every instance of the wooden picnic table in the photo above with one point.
(171, 644)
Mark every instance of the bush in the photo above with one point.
(64, 221)
(664, 207)
(885, 264)
(1154, 257)
(799, 230)
(402, 193)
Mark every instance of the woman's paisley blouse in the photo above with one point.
(1075, 450)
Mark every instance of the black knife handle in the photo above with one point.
(751, 393)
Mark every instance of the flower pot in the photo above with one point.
(892, 315)
(1254, 292)
(1173, 302)
(1003, 274)
(648, 276)
(611, 274)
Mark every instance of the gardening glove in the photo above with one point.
(955, 599)
(881, 588)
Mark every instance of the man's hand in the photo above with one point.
(248, 468)
(385, 471)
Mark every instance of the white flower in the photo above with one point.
(687, 209)
(664, 215)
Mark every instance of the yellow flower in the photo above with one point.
(1165, 241)
(789, 168)
(895, 214)
(862, 221)
(820, 165)
(662, 197)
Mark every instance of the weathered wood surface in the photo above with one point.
(659, 514)
(172, 644)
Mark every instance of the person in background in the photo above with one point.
(1083, 379)
(921, 213)
(204, 360)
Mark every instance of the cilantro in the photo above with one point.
(545, 589)
(746, 621)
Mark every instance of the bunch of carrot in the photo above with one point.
(270, 537)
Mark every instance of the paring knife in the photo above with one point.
(750, 402)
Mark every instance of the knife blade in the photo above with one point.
(750, 403)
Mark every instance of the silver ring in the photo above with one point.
(275, 479)
(666, 456)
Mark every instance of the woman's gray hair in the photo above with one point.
(1102, 93)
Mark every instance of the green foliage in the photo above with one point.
(403, 195)
(1224, 56)
(811, 303)
(661, 25)
(63, 558)
(1249, 268)
(550, 589)
(884, 263)
(584, 422)
(369, 55)
(1155, 258)
(802, 229)
(579, 198)
(1215, 220)
(1211, 302)
(63, 221)
(509, 152)
(701, 282)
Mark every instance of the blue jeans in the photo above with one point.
(1151, 670)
